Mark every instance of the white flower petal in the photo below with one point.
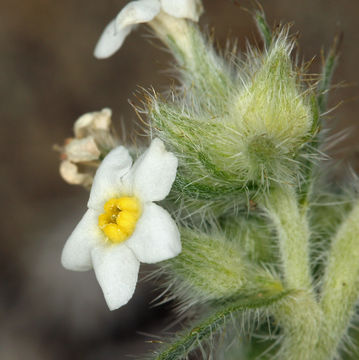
(76, 254)
(137, 12)
(116, 269)
(188, 9)
(107, 182)
(111, 40)
(153, 173)
(156, 237)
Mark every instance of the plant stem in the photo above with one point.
(300, 317)
(341, 284)
(293, 237)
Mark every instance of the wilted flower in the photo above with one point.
(142, 11)
(122, 226)
(81, 155)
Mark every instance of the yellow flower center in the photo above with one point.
(119, 220)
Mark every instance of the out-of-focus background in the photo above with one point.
(48, 77)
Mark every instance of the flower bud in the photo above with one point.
(272, 105)
(237, 130)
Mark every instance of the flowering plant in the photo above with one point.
(249, 238)
(122, 225)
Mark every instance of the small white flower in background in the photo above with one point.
(142, 11)
(122, 226)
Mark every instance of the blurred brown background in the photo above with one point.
(48, 78)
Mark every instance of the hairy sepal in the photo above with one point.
(211, 268)
(236, 128)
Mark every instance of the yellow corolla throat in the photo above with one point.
(119, 220)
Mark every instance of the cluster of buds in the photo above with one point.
(82, 154)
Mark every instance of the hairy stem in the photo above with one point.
(300, 317)
(293, 237)
(341, 284)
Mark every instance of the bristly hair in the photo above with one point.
(236, 128)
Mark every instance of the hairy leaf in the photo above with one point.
(215, 321)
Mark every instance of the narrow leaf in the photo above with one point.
(263, 27)
(215, 321)
(319, 106)
(329, 66)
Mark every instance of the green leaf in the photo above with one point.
(310, 149)
(263, 27)
(319, 106)
(329, 66)
(215, 321)
(201, 191)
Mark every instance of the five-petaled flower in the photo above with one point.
(142, 11)
(122, 226)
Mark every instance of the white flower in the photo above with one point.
(142, 11)
(122, 226)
